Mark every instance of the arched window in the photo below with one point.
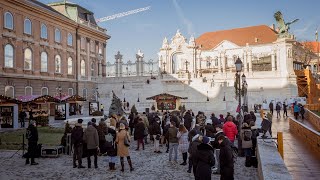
(27, 26)
(216, 63)
(57, 36)
(8, 56)
(9, 91)
(8, 20)
(70, 38)
(27, 59)
(83, 68)
(70, 66)
(70, 91)
(84, 93)
(92, 68)
(44, 91)
(44, 31)
(58, 64)
(44, 62)
(28, 91)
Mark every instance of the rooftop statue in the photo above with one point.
(282, 26)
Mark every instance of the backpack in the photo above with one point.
(109, 140)
(247, 134)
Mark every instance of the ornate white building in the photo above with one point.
(203, 70)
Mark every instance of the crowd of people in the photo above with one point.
(296, 108)
(205, 146)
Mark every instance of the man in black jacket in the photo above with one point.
(32, 136)
(226, 159)
(77, 141)
(187, 120)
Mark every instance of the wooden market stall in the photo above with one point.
(8, 112)
(166, 101)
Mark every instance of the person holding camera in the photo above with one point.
(32, 136)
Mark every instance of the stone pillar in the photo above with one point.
(245, 61)
(118, 58)
(219, 63)
(223, 57)
(250, 61)
(273, 61)
(139, 63)
(87, 60)
(104, 61)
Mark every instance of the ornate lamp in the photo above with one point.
(238, 65)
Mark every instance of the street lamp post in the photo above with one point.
(238, 65)
(186, 62)
(97, 94)
(60, 90)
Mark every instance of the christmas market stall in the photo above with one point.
(8, 112)
(167, 102)
(39, 107)
(75, 104)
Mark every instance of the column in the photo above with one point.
(250, 61)
(245, 61)
(273, 62)
(223, 57)
(118, 58)
(88, 62)
(219, 64)
(104, 58)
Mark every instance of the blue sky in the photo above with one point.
(147, 29)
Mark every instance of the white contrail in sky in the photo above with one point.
(185, 21)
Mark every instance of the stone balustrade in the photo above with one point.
(309, 135)
(270, 163)
(312, 118)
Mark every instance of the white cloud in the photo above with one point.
(185, 21)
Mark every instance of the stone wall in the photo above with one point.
(313, 118)
(310, 136)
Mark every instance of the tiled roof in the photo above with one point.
(45, 7)
(252, 35)
(313, 46)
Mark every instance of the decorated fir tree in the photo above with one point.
(116, 106)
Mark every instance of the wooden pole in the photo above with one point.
(280, 143)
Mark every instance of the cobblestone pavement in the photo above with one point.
(147, 164)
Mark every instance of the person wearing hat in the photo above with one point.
(123, 149)
(32, 136)
(77, 142)
(204, 159)
(246, 137)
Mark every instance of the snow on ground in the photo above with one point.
(148, 166)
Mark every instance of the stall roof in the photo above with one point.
(27, 98)
(6, 99)
(44, 99)
(75, 98)
(165, 95)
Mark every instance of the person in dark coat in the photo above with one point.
(192, 150)
(187, 120)
(193, 132)
(216, 146)
(204, 160)
(226, 159)
(271, 107)
(112, 150)
(155, 130)
(139, 133)
(22, 116)
(77, 142)
(102, 131)
(285, 109)
(278, 108)
(32, 136)
(253, 116)
(215, 120)
(210, 130)
(94, 121)
(131, 122)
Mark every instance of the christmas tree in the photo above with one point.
(116, 106)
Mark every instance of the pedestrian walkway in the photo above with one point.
(302, 163)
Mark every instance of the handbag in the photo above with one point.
(158, 137)
(126, 141)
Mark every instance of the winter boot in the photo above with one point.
(122, 165)
(113, 166)
(110, 166)
(130, 164)
(248, 161)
